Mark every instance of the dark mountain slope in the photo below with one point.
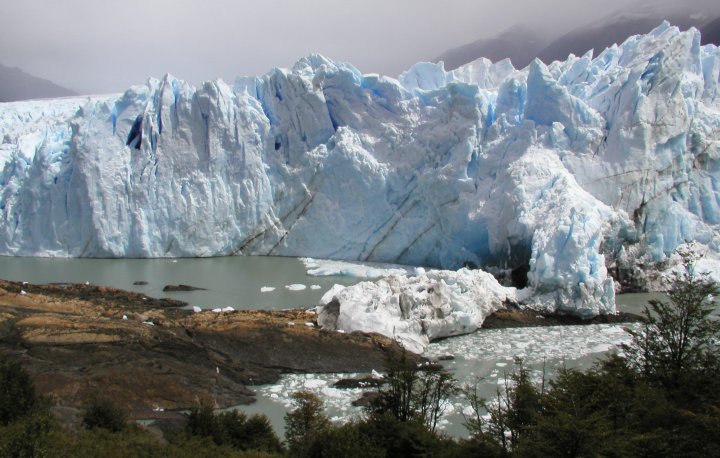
(15, 84)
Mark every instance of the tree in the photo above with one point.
(414, 393)
(233, 428)
(511, 415)
(435, 386)
(678, 340)
(396, 397)
(17, 392)
(27, 436)
(305, 423)
(25, 419)
(515, 410)
(347, 441)
(583, 414)
(103, 413)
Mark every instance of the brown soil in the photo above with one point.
(147, 354)
(516, 318)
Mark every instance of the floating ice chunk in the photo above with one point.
(314, 384)
(217, 310)
(196, 309)
(228, 309)
(267, 289)
(315, 287)
(324, 268)
(296, 287)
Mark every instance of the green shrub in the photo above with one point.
(103, 413)
(233, 428)
(414, 394)
(27, 436)
(305, 423)
(345, 441)
(17, 392)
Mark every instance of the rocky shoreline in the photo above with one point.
(152, 356)
(514, 317)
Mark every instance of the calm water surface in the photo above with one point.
(229, 281)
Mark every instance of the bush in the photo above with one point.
(678, 343)
(414, 394)
(103, 413)
(401, 438)
(345, 441)
(233, 428)
(305, 423)
(511, 415)
(27, 436)
(17, 392)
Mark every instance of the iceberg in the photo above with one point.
(571, 177)
(416, 309)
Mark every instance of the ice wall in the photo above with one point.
(561, 171)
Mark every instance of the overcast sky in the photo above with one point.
(106, 46)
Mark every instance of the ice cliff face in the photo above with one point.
(559, 171)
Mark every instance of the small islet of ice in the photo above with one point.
(370, 270)
(296, 287)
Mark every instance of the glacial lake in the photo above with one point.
(484, 356)
(234, 281)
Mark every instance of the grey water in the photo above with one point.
(483, 359)
(234, 281)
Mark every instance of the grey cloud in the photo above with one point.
(101, 46)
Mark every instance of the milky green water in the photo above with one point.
(229, 281)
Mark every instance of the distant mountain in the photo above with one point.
(614, 29)
(15, 84)
(711, 32)
(522, 43)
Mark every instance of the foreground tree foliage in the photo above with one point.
(233, 429)
(103, 413)
(17, 393)
(677, 346)
(411, 393)
(306, 424)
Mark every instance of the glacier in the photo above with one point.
(569, 178)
